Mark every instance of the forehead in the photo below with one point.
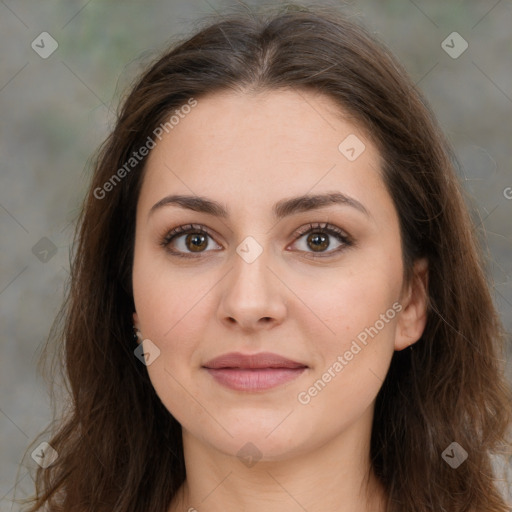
(254, 147)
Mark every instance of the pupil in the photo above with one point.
(319, 240)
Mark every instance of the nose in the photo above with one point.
(252, 295)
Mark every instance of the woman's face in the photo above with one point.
(312, 288)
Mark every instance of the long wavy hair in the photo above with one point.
(119, 449)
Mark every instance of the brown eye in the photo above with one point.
(196, 242)
(318, 241)
(187, 240)
(315, 239)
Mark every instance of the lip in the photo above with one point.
(253, 372)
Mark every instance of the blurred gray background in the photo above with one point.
(56, 109)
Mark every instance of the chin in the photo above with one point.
(260, 435)
(248, 447)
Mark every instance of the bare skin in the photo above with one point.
(303, 297)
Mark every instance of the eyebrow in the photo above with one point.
(281, 209)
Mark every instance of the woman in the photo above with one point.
(277, 301)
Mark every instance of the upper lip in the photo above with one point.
(261, 360)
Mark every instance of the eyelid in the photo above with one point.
(322, 226)
(184, 229)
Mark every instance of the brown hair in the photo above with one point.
(119, 448)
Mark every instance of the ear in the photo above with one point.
(137, 326)
(413, 317)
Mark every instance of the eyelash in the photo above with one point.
(324, 228)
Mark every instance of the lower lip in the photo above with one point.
(257, 379)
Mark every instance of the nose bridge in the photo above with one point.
(252, 292)
(250, 271)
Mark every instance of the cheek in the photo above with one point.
(356, 301)
(166, 295)
(361, 312)
(170, 313)
(174, 309)
(170, 318)
(355, 359)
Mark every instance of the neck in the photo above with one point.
(335, 477)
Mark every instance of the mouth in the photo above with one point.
(255, 372)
